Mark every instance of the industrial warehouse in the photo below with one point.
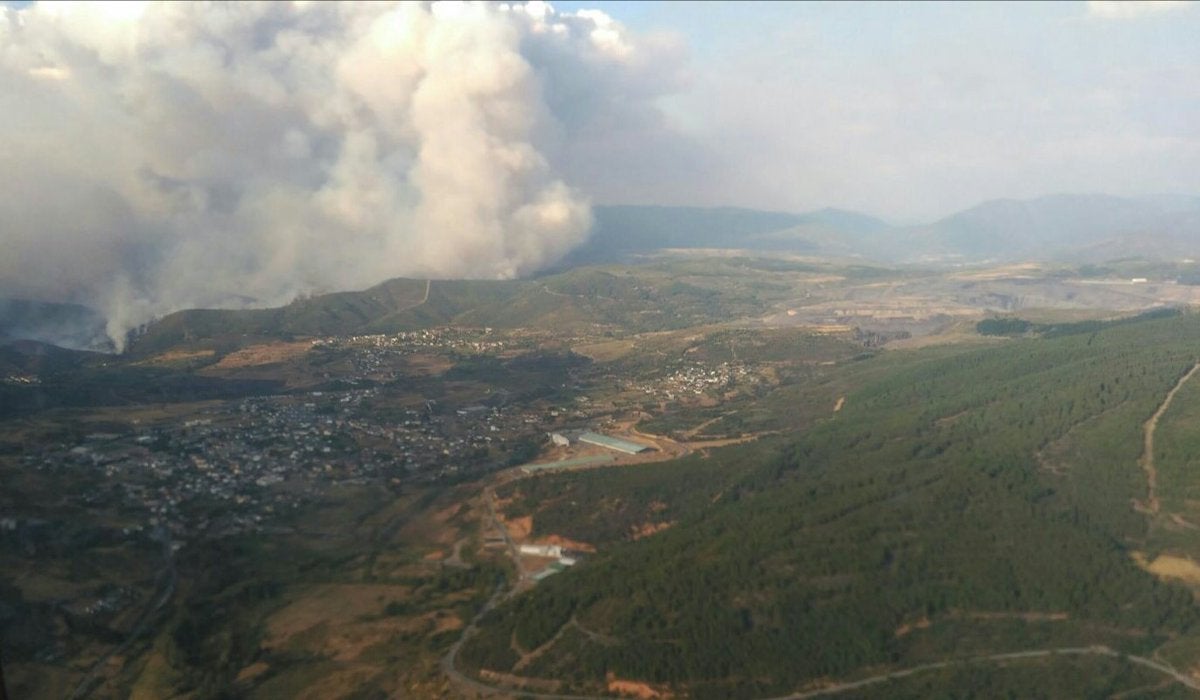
(612, 443)
(589, 438)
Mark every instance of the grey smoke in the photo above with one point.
(162, 156)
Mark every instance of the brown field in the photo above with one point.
(156, 678)
(1167, 566)
(339, 684)
(264, 354)
(252, 671)
(908, 627)
(422, 365)
(1016, 271)
(647, 529)
(519, 528)
(606, 351)
(634, 689)
(176, 356)
(329, 603)
(955, 335)
(432, 529)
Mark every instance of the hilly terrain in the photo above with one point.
(639, 299)
(1060, 229)
(1074, 228)
(846, 479)
(958, 505)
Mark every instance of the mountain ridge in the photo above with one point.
(1066, 228)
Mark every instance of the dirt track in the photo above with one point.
(1147, 460)
(482, 689)
(470, 687)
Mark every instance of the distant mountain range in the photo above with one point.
(1078, 228)
(1070, 228)
(621, 231)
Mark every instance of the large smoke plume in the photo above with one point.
(162, 156)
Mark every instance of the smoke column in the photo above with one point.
(164, 156)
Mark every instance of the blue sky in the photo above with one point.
(912, 110)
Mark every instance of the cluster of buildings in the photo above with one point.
(441, 339)
(239, 465)
(21, 379)
(695, 380)
(235, 466)
(384, 354)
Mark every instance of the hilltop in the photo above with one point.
(640, 299)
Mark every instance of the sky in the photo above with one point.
(911, 111)
(175, 155)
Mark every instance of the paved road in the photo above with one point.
(489, 496)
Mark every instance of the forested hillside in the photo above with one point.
(639, 299)
(960, 503)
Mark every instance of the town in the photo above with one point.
(158, 486)
(235, 466)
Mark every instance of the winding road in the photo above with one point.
(449, 662)
(448, 666)
(1010, 656)
(1152, 505)
(479, 688)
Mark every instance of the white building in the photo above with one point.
(541, 550)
